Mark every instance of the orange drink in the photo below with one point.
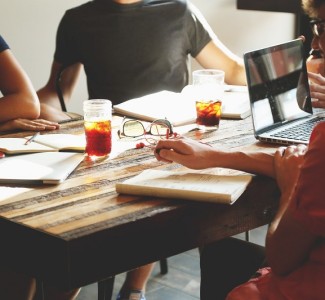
(98, 138)
(208, 87)
(208, 113)
(98, 129)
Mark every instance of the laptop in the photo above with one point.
(279, 94)
(39, 168)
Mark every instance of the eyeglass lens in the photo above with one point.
(159, 128)
(318, 27)
(135, 128)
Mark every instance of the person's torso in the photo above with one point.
(130, 51)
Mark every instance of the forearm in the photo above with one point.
(23, 104)
(251, 162)
(197, 155)
(237, 77)
(68, 79)
(49, 97)
(19, 97)
(216, 56)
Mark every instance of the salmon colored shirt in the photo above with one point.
(308, 206)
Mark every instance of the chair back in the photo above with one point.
(59, 90)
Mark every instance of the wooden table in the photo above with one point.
(81, 231)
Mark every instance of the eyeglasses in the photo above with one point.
(317, 27)
(158, 129)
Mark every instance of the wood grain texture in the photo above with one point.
(81, 231)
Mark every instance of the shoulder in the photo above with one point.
(3, 44)
(177, 5)
(82, 9)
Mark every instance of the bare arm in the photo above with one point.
(215, 55)
(196, 155)
(19, 97)
(27, 124)
(288, 242)
(50, 102)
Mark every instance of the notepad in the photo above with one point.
(194, 186)
(39, 168)
(44, 143)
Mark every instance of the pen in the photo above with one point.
(32, 138)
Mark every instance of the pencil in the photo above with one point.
(32, 138)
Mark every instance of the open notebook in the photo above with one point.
(44, 143)
(39, 168)
(179, 108)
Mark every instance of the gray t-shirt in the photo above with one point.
(131, 50)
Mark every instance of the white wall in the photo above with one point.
(29, 26)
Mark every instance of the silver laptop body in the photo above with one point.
(279, 94)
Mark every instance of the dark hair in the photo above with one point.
(311, 7)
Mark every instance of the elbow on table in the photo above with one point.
(31, 108)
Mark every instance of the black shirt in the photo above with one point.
(3, 44)
(131, 50)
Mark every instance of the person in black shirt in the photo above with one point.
(128, 49)
(133, 48)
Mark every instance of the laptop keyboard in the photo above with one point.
(300, 131)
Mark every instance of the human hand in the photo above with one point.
(185, 151)
(287, 163)
(26, 124)
(317, 89)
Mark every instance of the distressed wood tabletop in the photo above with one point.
(81, 231)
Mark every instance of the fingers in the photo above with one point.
(164, 150)
(318, 103)
(49, 125)
(296, 150)
(34, 125)
(314, 77)
(176, 150)
(317, 91)
(280, 151)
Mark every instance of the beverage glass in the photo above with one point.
(97, 123)
(208, 88)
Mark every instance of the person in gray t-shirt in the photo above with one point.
(133, 48)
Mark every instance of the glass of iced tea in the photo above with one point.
(208, 87)
(97, 123)
(208, 113)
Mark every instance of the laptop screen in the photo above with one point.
(278, 85)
